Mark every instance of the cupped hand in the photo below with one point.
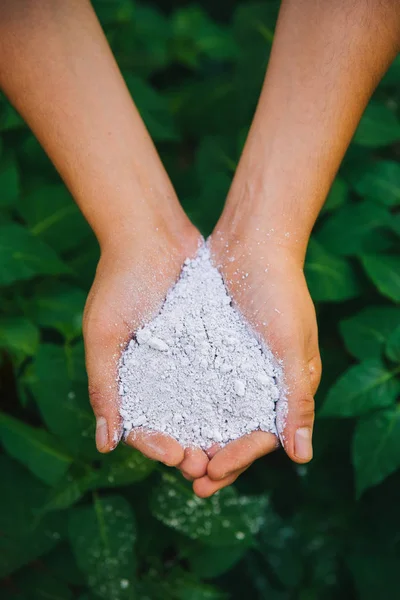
(267, 284)
(132, 279)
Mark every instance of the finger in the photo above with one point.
(156, 446)
(213, 450)
(102, 353)
(206, 487)
(295, 411)
(194, 463)
(186, 476)
(239, 453)
(315, 370)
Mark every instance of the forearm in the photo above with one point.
(58, 71)
(326, 60)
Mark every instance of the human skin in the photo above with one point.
(326, 60)
(57, 69)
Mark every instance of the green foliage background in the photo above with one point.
(75, 524)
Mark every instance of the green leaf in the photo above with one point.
(393, 345)
(58, 382)
(123, 467)
(337, 196)
(69, 490)
(114, 11)
(374, 568)
(392, 76)
(60, 306)
(18, 334)
(176, 584)
(196, 36)
(348, 230)
(362, 389)
(330, 278)
(23, 537)
(376, 447)
(384, 271)
(379, 127)
(9, 118)
(62, 564)
(395, 223)
(102, 536)
(9, 183)
(22, 256)
(153, 109)
(365, 333)
(224, 519)
(35, 448)
(41, 585)
(209, 562)
(379, 181)
(52, 215)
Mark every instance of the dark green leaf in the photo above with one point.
(177, 584)
(19, 335)
(114, 11)
(209, 562)
(348, 230)
(330, 278)
(57, 379)
(9, 118)
(376, 447)
(362, 389)
(153, 108)
(35, 448)
(62, 564)
(384, 270)
(102, 537)
(379, 127)
(9, 183)
(395, 223)
(195, 35)
(337, 196)
(374, 569)
(22, 256)
(41, 585)
(393, 344)
(23, 537)
(365, 333)
(52, 215)
(380, 181)
(224, 519)
(123, 467)
(59, 305)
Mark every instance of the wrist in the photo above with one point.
(261, 227)
(141, 219)
(151, 235)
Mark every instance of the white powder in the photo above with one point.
(197, 372)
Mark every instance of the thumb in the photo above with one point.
(102, 350)
(295, 410)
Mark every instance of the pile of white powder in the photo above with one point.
(197, 372)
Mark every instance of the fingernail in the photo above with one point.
(302, 443)
(101, 433)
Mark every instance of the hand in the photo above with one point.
(274, 298)
(132, 279)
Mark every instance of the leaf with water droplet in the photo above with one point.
(226, 518)
(102, 537)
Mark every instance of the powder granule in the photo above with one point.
(197, 372)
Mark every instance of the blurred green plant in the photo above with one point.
(76, 524)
